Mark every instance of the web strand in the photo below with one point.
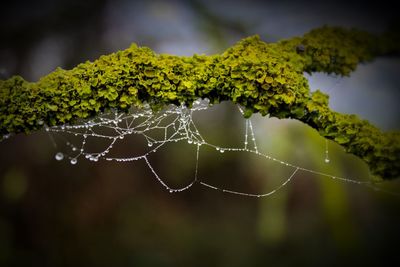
(249, 194)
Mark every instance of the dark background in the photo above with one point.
(116, 214)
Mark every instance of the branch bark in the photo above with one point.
(264, 78)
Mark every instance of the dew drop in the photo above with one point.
(171, 190)
(150, 144)
(327, 160)
(74, 161)
(59, 156)
(222, 150)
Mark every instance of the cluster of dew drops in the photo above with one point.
(60, 156)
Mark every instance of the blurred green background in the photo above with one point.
(53, 213)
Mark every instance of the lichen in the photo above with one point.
(264, 78)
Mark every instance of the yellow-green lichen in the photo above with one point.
(264, 78)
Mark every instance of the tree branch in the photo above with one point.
(264, 78)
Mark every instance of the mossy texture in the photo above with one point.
(263, 77)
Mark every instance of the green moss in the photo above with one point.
(264, 78)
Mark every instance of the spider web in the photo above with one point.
(157, 129)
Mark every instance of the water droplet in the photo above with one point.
(190, 141)
(74, 148)
(222, 150)
(171, 190)
(59, 156)
(150, 144)
(327, 160)
(74, 161)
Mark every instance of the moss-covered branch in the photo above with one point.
(264, 78)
